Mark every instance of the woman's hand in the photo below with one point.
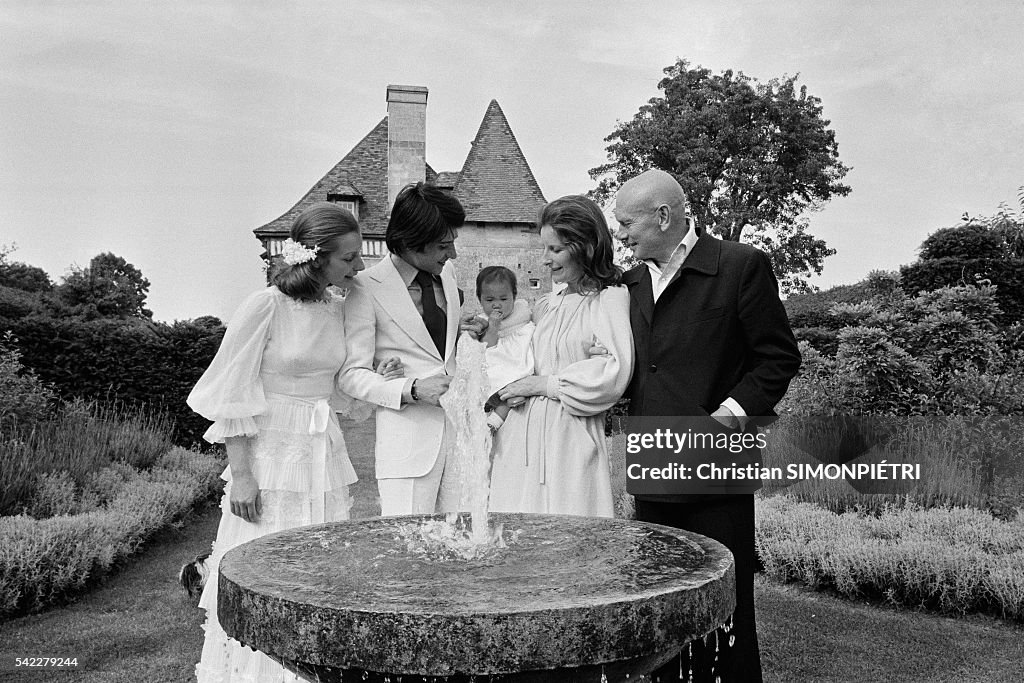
(245, 499)
(516, 393)
(391, 368)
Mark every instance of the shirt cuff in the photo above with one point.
(407, 391)
(736, 409)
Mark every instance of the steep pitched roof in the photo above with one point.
(496, 183)
(363, 173)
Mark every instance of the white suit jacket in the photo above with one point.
(382, 321)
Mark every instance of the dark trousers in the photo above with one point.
(728, 519)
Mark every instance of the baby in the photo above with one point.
(508, 336)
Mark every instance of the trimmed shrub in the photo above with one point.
(82, 439)
(954, 560)
(44, 562)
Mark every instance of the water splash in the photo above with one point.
(463, 404)
(469, 455)
(449, 539)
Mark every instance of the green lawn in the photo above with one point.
(138, 626)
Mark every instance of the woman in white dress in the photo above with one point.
(551, 455)
(271, 392)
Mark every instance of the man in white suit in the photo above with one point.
(408, 306)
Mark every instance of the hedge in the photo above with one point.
(812, 309)
(46, 561)
(134, 362)
(955, 560)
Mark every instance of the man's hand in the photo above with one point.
(597, 349)
(472, 323)
(726, 417)
(429, 390)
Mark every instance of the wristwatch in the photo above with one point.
(412, 391)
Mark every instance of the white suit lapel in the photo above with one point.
(393, 296)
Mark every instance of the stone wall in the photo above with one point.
(514, 245)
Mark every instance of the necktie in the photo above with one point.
(433, 317)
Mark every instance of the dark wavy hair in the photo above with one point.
(318, 226)
(496, 274)
(423, 213)
(581, 226)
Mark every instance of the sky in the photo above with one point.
(165, 132)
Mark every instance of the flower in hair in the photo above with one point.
(293, 253)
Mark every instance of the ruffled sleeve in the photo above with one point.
(230, 392)
(593, 385)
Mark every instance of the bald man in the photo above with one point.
(711, 339)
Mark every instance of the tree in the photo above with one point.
(750, 156)
(110, 285)
(21, 276)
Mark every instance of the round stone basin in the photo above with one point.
(569, 599)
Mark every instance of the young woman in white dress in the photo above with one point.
(551, 455)
(271, 393)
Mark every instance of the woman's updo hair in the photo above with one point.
(318, 226)
(581, 226)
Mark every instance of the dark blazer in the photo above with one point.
(717, 330)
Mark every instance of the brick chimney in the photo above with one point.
(407, 137)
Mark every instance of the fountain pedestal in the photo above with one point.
(570, 599)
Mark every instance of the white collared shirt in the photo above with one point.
(661, 277)
(408, 273)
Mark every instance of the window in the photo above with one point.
(274, 246)
(350, 205)
(534, 283)
(374, 247)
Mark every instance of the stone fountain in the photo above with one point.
(568, 599)
(517, 597)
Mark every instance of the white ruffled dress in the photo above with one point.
(274, 378)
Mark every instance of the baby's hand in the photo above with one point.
(391, 368)
(490, 335)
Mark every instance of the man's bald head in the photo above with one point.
(651, 211)
(651, 189)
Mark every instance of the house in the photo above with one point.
(495, 186)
